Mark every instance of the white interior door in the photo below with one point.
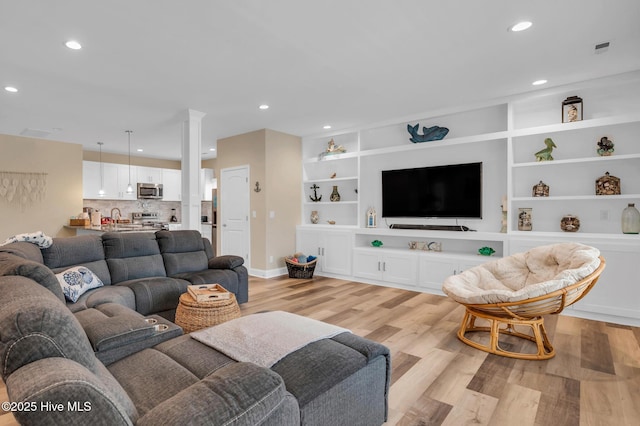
(234, 212)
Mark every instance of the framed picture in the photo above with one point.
(572, 109)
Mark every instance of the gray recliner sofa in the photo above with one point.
(146, 272)
(113, 357)
(54, 377)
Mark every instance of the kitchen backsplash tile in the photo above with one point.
(127, 207)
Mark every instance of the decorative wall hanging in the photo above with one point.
(608, 185)
(434, 133)
(315, 197)
(22, 188)
(545, 154)
(572, 109)
(257, 188)
(605, 147)
(540, 190)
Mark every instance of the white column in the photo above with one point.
(191, 161)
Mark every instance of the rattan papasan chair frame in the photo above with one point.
(505, 317)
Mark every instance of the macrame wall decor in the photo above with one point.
(23, 189)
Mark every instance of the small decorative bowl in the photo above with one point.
(486, 251)
(376, 243)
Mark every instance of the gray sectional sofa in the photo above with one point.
(114, 358)
(146, 272)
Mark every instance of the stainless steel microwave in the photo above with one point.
(150, 190)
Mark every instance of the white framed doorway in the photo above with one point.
(234, 207)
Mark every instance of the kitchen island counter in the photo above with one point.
(83, 230)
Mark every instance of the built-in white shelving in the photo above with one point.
(504, 135)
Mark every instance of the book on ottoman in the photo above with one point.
(205, 292)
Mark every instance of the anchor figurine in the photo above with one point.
(315, 197)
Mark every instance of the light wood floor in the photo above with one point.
(594, 379)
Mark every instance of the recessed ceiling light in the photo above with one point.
(11, 89)
(264, 106)
(520, 26)
(327, 127)
(539, 82)
(212, 149)
(72, 44)
(139, 150)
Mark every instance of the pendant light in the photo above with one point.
(129, 187)
(101, 191)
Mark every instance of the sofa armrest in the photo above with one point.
(85, 397)
(11, 264)
(257, 395)
(225, 262)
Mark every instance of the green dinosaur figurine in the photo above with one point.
(545, 154)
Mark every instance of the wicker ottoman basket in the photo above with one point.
(192, 315)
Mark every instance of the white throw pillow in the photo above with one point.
(76, 281)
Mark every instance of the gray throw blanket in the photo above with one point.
(265, 338)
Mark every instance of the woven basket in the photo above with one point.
(192, 315)
(301, 270)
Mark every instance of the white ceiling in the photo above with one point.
(346, 63)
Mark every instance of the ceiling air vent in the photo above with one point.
(35, 133)
(602, 47)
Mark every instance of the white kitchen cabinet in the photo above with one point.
(332, 247)
(205, 230)
(114, 181)
(172, 185)
(126, 177)
(90, 179)
(392, 266)
(207, 184)
(149, 174)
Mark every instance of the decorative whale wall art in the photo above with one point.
(434, 133)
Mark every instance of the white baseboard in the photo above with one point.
(268, 273)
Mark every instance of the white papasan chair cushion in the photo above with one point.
(523, 276)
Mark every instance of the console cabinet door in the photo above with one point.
(367, 264)
(433, 272)
(333, 249)
(400, 268)
(337, 252)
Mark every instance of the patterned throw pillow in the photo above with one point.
(76, 281)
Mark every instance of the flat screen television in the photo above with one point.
(449, 191)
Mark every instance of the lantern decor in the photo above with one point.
(371, 218)
(540, 190)
(572, 109)
(570, 223)
(608, 185)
